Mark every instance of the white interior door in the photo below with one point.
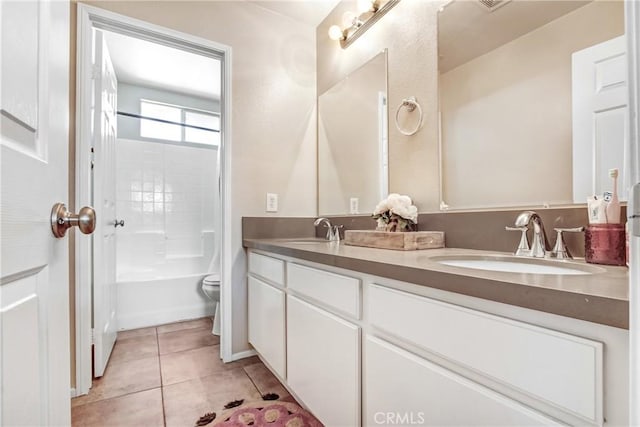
(104, 196)
(600, 118)
(34, 265)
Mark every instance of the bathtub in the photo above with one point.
(161, 290)
(156, 286)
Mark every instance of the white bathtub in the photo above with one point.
(154, 288)
(149, 297)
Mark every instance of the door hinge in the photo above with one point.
(93, 336)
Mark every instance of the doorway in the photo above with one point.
(168, 159)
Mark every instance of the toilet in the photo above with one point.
(211, 288)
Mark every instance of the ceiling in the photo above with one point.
(144, 63)
(311, 12)
(467, 30)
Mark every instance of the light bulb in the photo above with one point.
(335, 33)
(365, 6)
(349, 19)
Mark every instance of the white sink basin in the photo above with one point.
(518, 265)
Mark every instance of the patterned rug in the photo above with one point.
(268, 412)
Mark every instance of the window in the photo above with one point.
(180, 124)
(201, 120)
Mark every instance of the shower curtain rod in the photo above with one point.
(138, 116)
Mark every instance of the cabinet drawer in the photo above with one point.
(334, 290)
(432, 395)
(558, 368)
(269, 268)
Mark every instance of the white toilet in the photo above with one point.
(211, 288)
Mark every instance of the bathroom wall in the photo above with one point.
(409, 31)
(273, 146)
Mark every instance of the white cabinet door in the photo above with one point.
(34, 265)
(403, 389)
(266, 323)
(323, 354)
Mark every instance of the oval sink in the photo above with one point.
(518, 265)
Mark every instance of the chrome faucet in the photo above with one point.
(539, 244)
(333, 231)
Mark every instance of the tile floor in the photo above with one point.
(170, 375)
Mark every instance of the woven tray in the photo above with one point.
(408, 241)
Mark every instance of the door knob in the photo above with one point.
(62, 220)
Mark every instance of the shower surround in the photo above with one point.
(167, 196)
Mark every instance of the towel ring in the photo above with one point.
(411, 103)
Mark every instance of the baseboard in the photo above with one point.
(241, 355)
(154, 318)
(73, 392)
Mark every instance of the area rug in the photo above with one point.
(272, 413)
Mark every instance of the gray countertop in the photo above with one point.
(602, 297)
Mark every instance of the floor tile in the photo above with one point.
(201, 362)
(204, 323)
(187, 401)
(188, 339)
(122, 378)
(134, 348)
(138, 409)
(134, 333)
(264, 380)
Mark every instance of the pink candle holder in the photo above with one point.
(605, 244)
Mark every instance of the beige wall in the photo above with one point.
(409, 32)
(506, 115)
(273, 111)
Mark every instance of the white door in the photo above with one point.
(34, 265)
(600, 118)
(104, 200)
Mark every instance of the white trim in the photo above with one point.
(226, 302)
(87, 18)
(73, 393)
(632, 30)
(242, 355)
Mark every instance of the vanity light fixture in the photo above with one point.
(354, 25)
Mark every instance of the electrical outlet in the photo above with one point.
(272, 202)
(354, 205)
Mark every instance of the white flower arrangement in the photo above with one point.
(396, 213)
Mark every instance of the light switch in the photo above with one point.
(272, 202)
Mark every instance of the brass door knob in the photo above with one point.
(62, 220)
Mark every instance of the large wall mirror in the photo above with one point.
(352, 141)
(521, 123)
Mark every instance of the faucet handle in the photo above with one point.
(570, 230)
(336, 232)
(560, 250)
(523, 246)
